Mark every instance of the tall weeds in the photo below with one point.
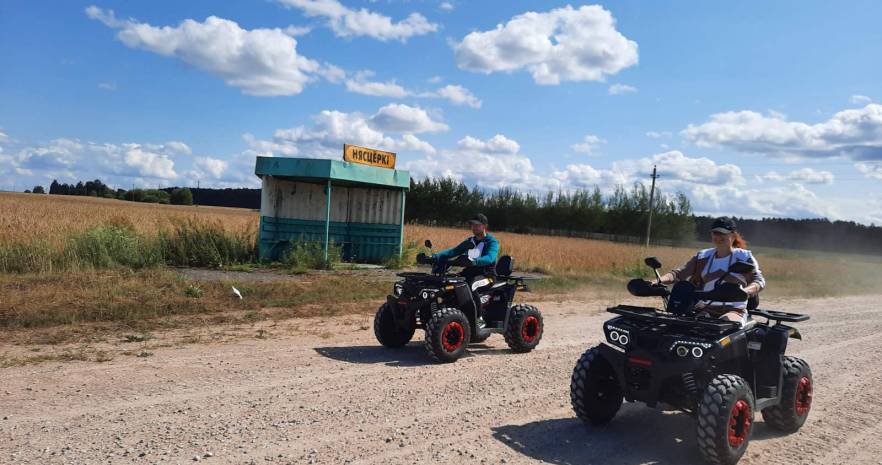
(117, 244)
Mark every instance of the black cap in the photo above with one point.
(480, 218)
(723, 225)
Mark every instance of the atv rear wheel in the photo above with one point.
(725, 419)
(447, 334)
(594, 390)
(796, 397)
(524, 329)
(387, 332)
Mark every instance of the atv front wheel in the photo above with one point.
(594, 390)
(524, 328)
(387, 332)
(447, 334)
(796, 397)
(725, 419)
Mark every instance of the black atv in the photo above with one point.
(455, 311)
(713, 369)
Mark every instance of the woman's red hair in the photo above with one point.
(738, 241)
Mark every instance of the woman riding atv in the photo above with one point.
(709, 265)
(480, 249)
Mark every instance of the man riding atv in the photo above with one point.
(481, 250)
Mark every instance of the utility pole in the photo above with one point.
(651, 204)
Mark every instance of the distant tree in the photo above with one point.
(38, 190)
(27, 191)
(54, 188)
(182, 196)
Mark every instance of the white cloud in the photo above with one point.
(855, 134)
(402, 118)
(71, 157)
(331, 129)
(588, 144)
(148, 164)
(261, 62)
(459, 95)
(493, 163)
(803, 175)
(108, 86)
(361, 85)
(870, 170)
(498, 144)
(811, 176)
(346, 22)
(618, 89)
(860, 99)
(658, 135)
(178, 147)
(212, 167)
(564, 44)
(446, 6)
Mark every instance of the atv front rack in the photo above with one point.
(651, 315)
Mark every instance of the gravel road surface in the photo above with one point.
(339, 398)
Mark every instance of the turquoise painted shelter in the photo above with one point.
(358, 208)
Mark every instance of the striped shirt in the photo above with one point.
(705, 268)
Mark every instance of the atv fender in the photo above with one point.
(466, 302)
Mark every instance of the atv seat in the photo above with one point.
(504, 266)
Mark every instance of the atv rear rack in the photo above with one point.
(774, 315)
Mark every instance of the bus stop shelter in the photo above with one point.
(356, 207)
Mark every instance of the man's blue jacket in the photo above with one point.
(488, 255)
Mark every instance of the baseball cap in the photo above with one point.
(479, 218)
(723, 225)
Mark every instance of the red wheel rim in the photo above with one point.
(530, 329)
(452, 336)
(739, 423)
(803, 396)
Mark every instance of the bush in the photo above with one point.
(208, 244)
(406, 258)
(310, 255)
(113, 245)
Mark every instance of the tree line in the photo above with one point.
(448, 202)
(96, 188)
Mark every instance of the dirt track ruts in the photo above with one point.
(304, 399)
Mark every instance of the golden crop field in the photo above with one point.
(30, 217)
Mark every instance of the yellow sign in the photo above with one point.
(366, 156)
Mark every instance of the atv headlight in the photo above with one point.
(618, 336)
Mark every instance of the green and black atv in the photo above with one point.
(455, 311)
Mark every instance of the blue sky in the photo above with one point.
(750, 108)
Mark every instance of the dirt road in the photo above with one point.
(342, 399)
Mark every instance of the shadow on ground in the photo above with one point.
(638, 435)
(413, 354)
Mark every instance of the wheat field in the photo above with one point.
(27, 218)
(53, 218)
